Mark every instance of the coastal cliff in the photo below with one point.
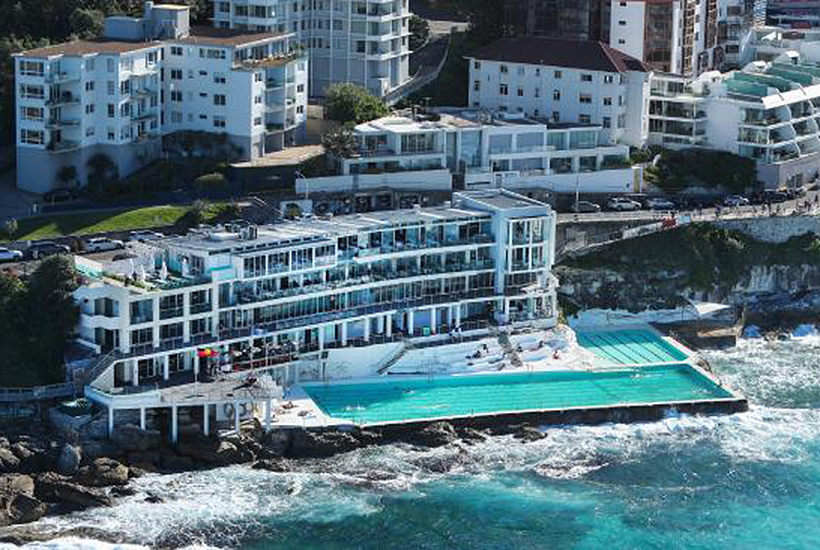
(770, 273)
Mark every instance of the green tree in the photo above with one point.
(86, 22)
(196, 215)
(10, 228)
(339, 143)
(350, 103)
(419, 32)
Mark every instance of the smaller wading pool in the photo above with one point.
(396, 400)
(630, 347)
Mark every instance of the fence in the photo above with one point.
(37, 393)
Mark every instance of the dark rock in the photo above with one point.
(103, 472)
(131, 438)
(214, 452)
(153, 499)
(314, 444)
(69, 460)
(123, 491)
(529, 434)
(442, 463)
(272, 465)
(436, 434)
(175, 463)
(277, 442)
(135, 472)
(52, 487)
(8, 462)
(25, 509)
(472, 435)
(98, 448)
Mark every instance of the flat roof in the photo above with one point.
(460, 118)
(213, 36)
(99, 45)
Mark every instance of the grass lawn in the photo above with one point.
(119, 219)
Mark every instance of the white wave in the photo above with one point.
(74, 543)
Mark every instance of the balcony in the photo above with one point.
(63, 146)
(58, 77)
(201, 308)
(170, 313)
(273, 84)
(61, 123)
(66, 98)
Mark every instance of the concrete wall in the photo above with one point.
(777, 175)
(428, 180)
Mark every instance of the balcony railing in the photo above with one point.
(63, 145)
(63, 99)
(201, 308)
(169, 313)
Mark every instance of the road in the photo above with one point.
(27, 266)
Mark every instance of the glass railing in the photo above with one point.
(168, 313)
(201, 308)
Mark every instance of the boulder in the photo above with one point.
(529, 434)
(436, 434)
(214, 452)
(16, 484)
(131, 438)
(276, 442)
(97, 448)
(69, 460)
(472, 435)
(103, 472)
(272, 465)
(52, 487)
(25, 509)
(8, 462)
(310, 444)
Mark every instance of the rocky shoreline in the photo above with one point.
(44, 471)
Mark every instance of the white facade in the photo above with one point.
(614, 98)
(769, 112)
(117, 98)
(280, 297)
(366, 43)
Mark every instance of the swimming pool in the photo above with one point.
(407, 399)
(629, 346)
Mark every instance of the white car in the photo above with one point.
(622, 204)
(9, 255)
(735, 200)
(102, 244)
(144, 235)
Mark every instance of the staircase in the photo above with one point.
(93, 372)
(509, 351)
(263, 212)
(408, 345)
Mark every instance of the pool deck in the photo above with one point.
(300, 411)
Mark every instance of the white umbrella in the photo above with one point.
(185, 270)
(141, 273)
(132, 271)
(163, 271)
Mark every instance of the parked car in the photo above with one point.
(101, 244)
(144, 235)
(47, 248)
(622, 204)
(659, 203)
(735, 200)
(585, 207)
(10, 255)
(773, 197)
(58, 195)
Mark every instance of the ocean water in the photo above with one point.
(745, 481)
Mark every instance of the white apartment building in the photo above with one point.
(366, 43)
(564, 81)
(150, 77)
(769, 112)
(467, 148)
(769, 43)
(290, 298)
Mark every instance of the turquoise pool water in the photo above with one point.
(406, 399)
(629, 347)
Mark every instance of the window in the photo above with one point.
(621, 121)
(521, 71)
(504, 69)
(556, 116)
(176, 117)
(176, 95)
(556, 95)
(556, 74)
(257, 100)
(32, 113)
(176, 50)
(257, 77)
(257, 121)
(111, 87)
(586, 78)
(212, 53)
(111, 110)
(537, 92)
(608, 79)
(300, 109)
(520, 91)
(584, 119)
(607, 122)
(176, 74)
(89, 64)
(224, 7)
(89, 86)
(219, 122)
(621, 41)
(502, 89)
(89, 131)
(622, 23)
(477, 65)
(219, 99)
(152, 58)
(538, 71)
(585, 98)
(89, 109)
(111, 135)
(219, 79)
(31, 68)
(109, 65)
(31, 92)
(32, 137)
(300, 88)
(476, 85)
(607, 101)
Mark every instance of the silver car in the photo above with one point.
(102, 244)
(10, 255)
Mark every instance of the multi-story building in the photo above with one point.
(736, 22)
(570, 19)
(366, 43)
(769, 43)
(769, 112)
(294, 295)
(474, 149)
(797, 14)
(150, 77)
(564, 81)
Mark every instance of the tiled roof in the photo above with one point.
(91, 46)
(559, 52)
(213, 36)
